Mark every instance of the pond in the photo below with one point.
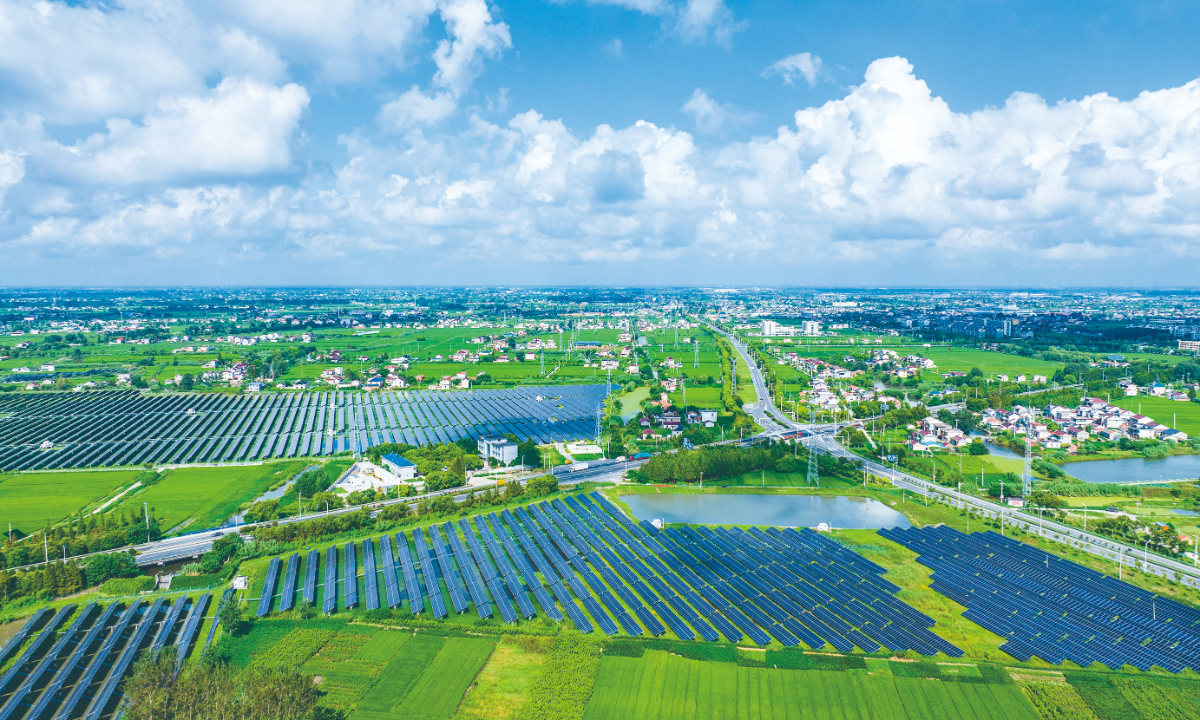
(1177, 467)
(771, 510)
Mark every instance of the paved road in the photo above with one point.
(1071, 536)
(824, 437)
(764, 411)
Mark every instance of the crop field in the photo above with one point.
(427, 680)
(1184, 415)
(963, 359)
(31, 500)
(662, 685)
(206, 497)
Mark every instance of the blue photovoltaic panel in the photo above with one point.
(330, 594)
(268, 589)
(1048, 606)
(371, 575)
(350, 575)
(287, 597)
(310, 577)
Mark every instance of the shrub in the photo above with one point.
(127, 586)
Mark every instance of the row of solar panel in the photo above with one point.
(581, 554)
(212, 429)
(79, 675)
(218, 415)
(1051, 607)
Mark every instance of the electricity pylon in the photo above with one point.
(813, 476)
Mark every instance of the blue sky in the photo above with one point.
(611, 142)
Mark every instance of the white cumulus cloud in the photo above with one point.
(712, 116)
(886, 184)
(801, 65)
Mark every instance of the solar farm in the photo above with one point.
(118, 428)
(1052, 608)
(75, 670)
(581, 559)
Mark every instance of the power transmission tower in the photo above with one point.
(599, 414)
(542, 357)
(696, 360)
(813, 476)
(1027, 477)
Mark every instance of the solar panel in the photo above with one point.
(310, 577)
(50, 658)
(287, 597)
(268, 589)
(330, 594)
(371, 575)
(350, 575)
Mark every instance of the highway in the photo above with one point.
(764, 411)
(825, 440)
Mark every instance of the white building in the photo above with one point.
(770, 328)
(498, 447)
(401, 467)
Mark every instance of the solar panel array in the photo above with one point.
(121, 428)
(76, 671)
(580, 558)
(1048, 606)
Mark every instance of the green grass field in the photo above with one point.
(31, 500)
(659, 685)
(963, 359)
(206, 497)
(1184, 415)
(427, 680)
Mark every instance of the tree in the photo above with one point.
(111, 565)
(149, 689)
(543, 485)
(513, 490)
(264, 510)
(1042, 499)
(977, 448)
(232, 618)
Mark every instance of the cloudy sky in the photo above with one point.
(396, 142)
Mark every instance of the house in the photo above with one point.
(670, 420)
(1174, 436)
(498, 447)
(693, 417)
(401, 467)
(708, 417)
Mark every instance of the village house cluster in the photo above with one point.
(1094, 418)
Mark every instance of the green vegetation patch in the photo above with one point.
(1058, 701)
(660, 685)
(399, 677)
(439, 690)
(30, 501)
(1104, 698)
(206, 497)
(294, 649)
(382, 646)
(565, 685)
(120, 587)
(1154, 702)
